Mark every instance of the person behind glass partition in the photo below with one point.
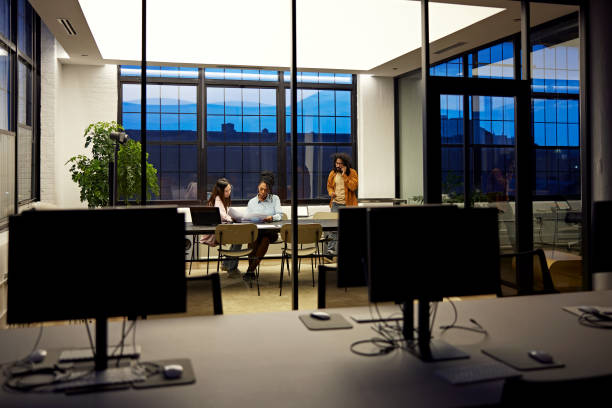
(342, 186)
(268, 206)
(499, 196)
(221, 198)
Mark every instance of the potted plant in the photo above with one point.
(91, 174)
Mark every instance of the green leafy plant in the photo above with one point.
(91, 174)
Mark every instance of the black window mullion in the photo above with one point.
(281, 110)
(201, 129)
(15, 101)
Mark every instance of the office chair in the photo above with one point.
(236, 234)
(567, 273)
(307, 234)
(542, 280)
(324, 215)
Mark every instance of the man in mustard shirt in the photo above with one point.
(342, 186)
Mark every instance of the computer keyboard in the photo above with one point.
(110, 376)
(471, 373)
(86, 353)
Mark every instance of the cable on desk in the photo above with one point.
(91, 345)
(18, 383)
(385, 347)
(124, 334)
(24, 364)
(390, 336)
(453, 325)
(597, 321)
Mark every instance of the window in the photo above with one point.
(24, 27)
(160, 72)
(172, 139)
(241, 74)
(242, 133)
(451, 127)
(452, 68)
(5, 90)
(242, 137)
(324, 128)
(496, 61)
(18, 130)
(555, 109)
(5, 18)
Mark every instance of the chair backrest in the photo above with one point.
(567, 273)
(325, 215)
(307, 233)
(226, 234)
(284, 216)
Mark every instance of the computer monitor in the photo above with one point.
(601, 242)
(352, 247)
(79, 264)
(429, 252)
(203, 215)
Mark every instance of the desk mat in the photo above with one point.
(158, 380)
(336, 321)
(519, 359)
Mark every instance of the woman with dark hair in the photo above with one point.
(221, 198)
(267, 204)
(342, 186)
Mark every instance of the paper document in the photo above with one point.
(268, 226)
(242, 215)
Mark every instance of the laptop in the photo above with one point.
(205, 215)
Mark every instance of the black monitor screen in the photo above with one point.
(76, 264)
(601, 238)
(431, 252)
(352, 247)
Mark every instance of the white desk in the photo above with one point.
(271, 359)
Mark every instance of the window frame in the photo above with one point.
(17, 56)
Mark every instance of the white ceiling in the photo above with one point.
(380, 37)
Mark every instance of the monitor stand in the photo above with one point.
(102, 378)
(426, 348)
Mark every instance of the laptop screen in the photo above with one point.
(205, 215)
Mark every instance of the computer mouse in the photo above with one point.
(320, 315)
(172, 371)
(37, 356)
(541, 356)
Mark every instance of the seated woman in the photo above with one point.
(221, 198)
(268, 205)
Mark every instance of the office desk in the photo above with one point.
(271, 359)
(328, 225)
